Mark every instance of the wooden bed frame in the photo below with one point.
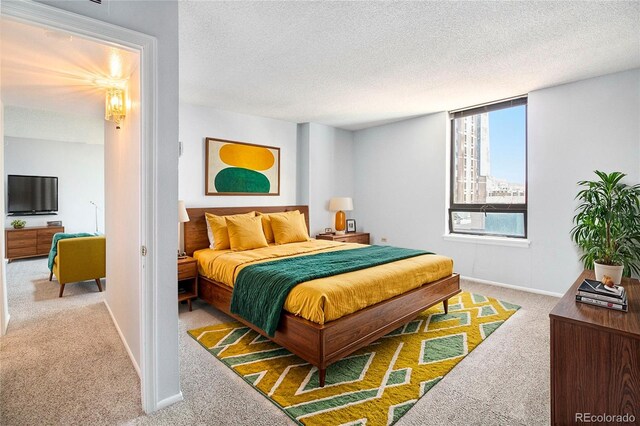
(320, 345)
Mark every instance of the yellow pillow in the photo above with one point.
(245, 233)
(219, 229)
(289, 228)
(266, 223)
(266, 227)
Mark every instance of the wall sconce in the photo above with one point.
(115, 106)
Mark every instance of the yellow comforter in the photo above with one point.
(330, 298)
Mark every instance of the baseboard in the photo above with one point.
(169, 401)
(4, 326)
(124, 341)
(5, 316)
(513, 287)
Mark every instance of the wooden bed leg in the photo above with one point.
(322, 372)
(61, 290)
(50, 275)
(99, 284)
(445, 303)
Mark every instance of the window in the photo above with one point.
(488, 194)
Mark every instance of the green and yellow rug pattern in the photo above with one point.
(377, 384)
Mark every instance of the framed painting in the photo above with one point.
(240, 168)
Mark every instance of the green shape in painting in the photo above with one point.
(237, 179)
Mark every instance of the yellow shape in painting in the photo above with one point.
(247, 156)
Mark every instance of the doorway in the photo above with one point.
(134, 296)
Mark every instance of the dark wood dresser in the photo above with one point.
(595, 357)
(29, 242)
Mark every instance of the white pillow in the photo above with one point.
(210, 234)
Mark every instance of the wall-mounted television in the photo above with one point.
(31, 195)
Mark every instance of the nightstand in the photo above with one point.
(349, 237)
(187, 280)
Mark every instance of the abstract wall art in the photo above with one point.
(239, 168)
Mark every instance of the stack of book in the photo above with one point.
(595, 293)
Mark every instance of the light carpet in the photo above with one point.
(62, 362)
(377, 384)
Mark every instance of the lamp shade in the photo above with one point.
(183, 216)
(341, 204)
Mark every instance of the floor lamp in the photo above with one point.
(96, 207)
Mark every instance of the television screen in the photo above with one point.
(32, 194)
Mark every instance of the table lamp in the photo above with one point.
(340, 205)
(183, 217)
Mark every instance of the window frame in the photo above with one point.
(489, 207)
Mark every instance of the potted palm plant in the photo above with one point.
(607, 226)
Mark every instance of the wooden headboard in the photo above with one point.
(195, 231)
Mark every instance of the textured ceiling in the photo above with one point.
(28, 123)
(54, 71)
(358, 64)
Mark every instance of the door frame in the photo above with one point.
(105, 33)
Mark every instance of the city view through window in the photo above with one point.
(489, 173)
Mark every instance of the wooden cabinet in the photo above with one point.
(45, 236)
(350, 237)
(187, 280)
(595, 357)
(29, 242)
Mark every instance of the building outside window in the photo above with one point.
(488, 194)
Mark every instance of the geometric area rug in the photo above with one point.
(376, 385)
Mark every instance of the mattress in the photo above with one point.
(327, 299)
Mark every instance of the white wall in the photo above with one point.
(302, 194)
(79, 168)
(124, 265)
(38, 124)
(4, 305)
(158, 19)
(573, 129)
(197, 123)
(67, 146)
(316, 161)
(400, 172)
(326, 170)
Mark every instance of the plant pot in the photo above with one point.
(615, 272)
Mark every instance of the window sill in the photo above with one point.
(488, 240)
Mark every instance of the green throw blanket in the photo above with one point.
(61, 236)
(260, 290)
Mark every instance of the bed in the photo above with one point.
(319, 342)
